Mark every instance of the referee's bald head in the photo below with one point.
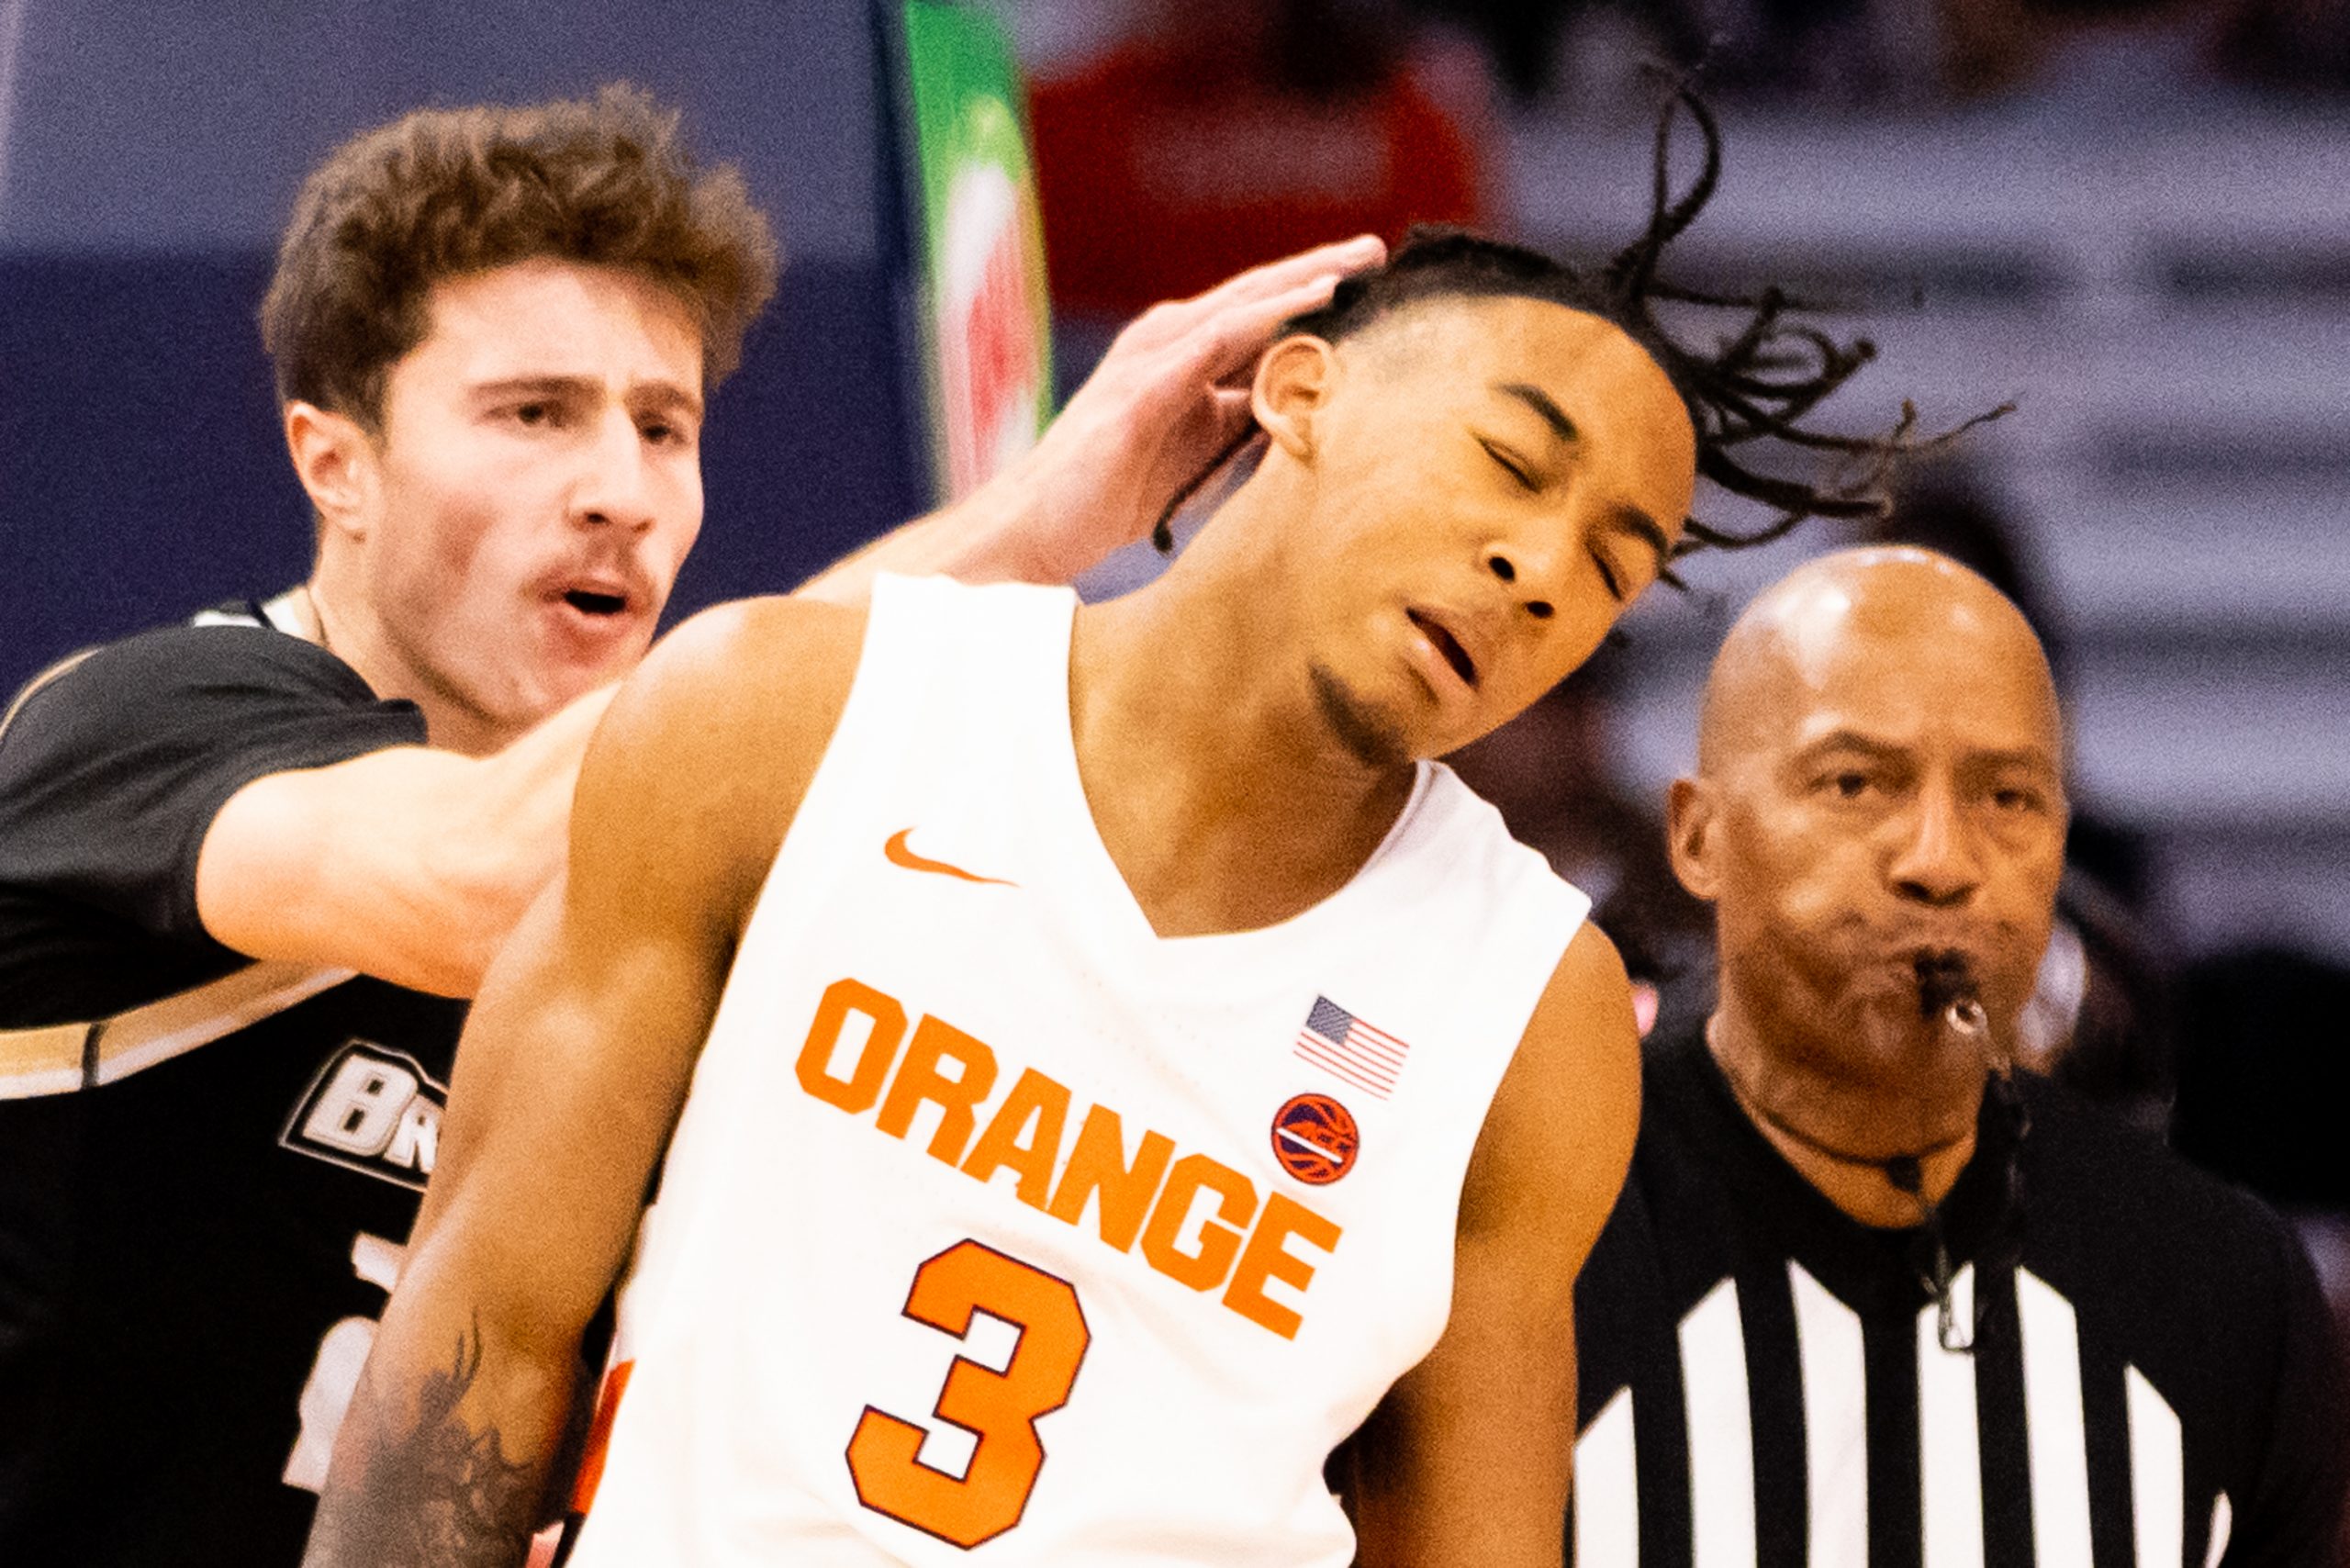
(1864, 606)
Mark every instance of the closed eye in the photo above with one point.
(1516, 469)
(1608, 576)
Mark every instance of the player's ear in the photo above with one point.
(1690, 816)
(1293, 382)
(335, 459)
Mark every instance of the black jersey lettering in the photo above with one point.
(372, 1110)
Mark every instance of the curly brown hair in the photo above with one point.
(441, 192)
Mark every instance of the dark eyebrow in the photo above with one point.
(541, 385)
(1625, 519)
(650, 393)
(1541, 403)
(1850, 740)
(667, 395)
(2031, 758)
(1992, 759)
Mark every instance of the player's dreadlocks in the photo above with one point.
(1756, 383)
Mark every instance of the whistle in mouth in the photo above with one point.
(1947, 991)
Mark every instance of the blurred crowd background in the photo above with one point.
(2131, 220)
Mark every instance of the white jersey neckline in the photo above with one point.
(1067, 803)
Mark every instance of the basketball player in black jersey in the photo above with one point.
(245, 864)
(1872, 1296)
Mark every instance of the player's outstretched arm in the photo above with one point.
(412, 864)
(1170, 395)
(569, 1080)
(1467, 1460)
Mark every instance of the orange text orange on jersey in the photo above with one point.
(1241, 1247)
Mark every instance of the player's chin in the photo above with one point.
(1369, 725)
(556, 682)
(1421, 723)
(597, 653)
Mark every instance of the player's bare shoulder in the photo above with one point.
(774, 668)
(1584, 1022)
(1560, 1130)
(702, 763)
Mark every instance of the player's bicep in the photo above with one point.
(571, 1073)
(567, 1083)
(1559, 1139)
(1467, 1460)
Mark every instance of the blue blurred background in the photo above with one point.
(150, 154)
(2132, 219)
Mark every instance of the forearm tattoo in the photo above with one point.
(440, 1495)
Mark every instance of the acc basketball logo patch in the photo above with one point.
(370, 1109)
(1316, 1140)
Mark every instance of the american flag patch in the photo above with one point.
(1344, 1045)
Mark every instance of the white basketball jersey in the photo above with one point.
(999, 1230)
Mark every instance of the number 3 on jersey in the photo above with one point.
(1001, 1408)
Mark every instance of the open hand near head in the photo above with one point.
(1171, 395)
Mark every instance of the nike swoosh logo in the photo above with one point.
(899, 855)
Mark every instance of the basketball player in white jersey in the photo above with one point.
(1093, 1063)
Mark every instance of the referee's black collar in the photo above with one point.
(1693, 1119)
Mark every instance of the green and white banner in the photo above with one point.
(987, 320)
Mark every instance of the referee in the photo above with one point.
(247, 863)
(1868, 1296)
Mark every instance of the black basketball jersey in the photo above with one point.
(2151, 1381)
(208, 1167)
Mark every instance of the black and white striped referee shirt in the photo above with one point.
(1763, 1384)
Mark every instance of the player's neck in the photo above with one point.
(1841, 1134)
(1206, 778)
(328, 611)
